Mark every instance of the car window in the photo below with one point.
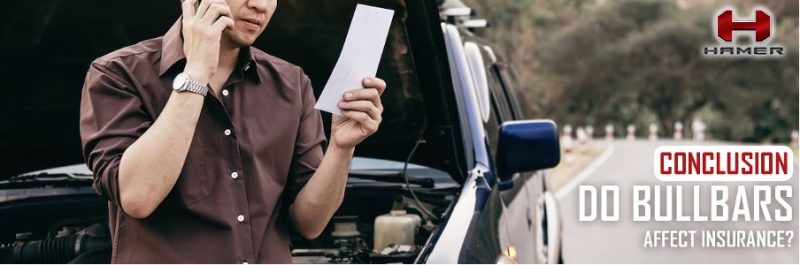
(492, 127)
(508, 80)
(499, 98)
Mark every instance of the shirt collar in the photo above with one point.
(172, 53)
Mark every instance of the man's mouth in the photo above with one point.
(251, 23)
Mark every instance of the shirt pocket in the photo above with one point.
(194, 182)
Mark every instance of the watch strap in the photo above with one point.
(196, 87)
(192, 86)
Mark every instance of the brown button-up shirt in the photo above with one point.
(253, 149)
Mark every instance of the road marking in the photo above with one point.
(566, 189)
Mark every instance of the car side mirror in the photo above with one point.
(527, 145)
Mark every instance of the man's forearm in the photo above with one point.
(150, 167)
(322, 195)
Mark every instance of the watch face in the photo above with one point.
(180, 82)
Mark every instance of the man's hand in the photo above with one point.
(361, 114)
(202, 32)
(323, 194)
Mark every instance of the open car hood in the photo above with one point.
(40, 106)
(364, 172)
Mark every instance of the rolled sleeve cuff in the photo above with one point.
(106, 179)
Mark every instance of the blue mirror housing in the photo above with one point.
(527, 145)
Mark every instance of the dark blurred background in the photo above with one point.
(46, 47)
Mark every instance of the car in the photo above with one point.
(456, 162)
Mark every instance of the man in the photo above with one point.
(209, 150)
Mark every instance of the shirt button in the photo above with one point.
(240, 218)
(246, 66)
(234, 175)
(227, 132)
(225, 92)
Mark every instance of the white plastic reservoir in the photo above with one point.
(397, 227)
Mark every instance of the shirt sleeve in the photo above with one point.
(112, 117)
(308, 146)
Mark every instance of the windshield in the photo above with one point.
(47, 47)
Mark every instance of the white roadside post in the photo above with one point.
(589, 132)
(566, 142)
(699, 129)
(678, 134)
(631, 132)
(609, 132)
(653, 132)
(580, 133)
(567, 133)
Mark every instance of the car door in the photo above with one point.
(503, 225)
(542, 212)
(501, 218)
(521, 190)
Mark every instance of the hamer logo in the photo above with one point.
(743, 36)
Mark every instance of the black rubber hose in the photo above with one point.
(55, 250)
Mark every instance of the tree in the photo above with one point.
(639, 61)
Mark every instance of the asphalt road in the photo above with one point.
(630, 163)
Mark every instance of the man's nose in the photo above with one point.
(260, 5)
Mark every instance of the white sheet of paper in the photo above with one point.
(360, 56)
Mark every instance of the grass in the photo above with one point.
(581, 158)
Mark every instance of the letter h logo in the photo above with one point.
(726, 25)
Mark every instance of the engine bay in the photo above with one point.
(381, 220)
(392, 228)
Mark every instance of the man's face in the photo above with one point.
(250, 19)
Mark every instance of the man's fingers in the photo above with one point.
(225, 10)
(211, 15)
(364, 94)
(187, 7)
(215, 11)
(361, 118)
(362, 106)
(361, 94)
(376, 83)
(356, 115)
(202, 9)
(222, 23)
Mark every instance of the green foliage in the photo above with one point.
(639, 61)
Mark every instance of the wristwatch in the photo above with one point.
(184, 83)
